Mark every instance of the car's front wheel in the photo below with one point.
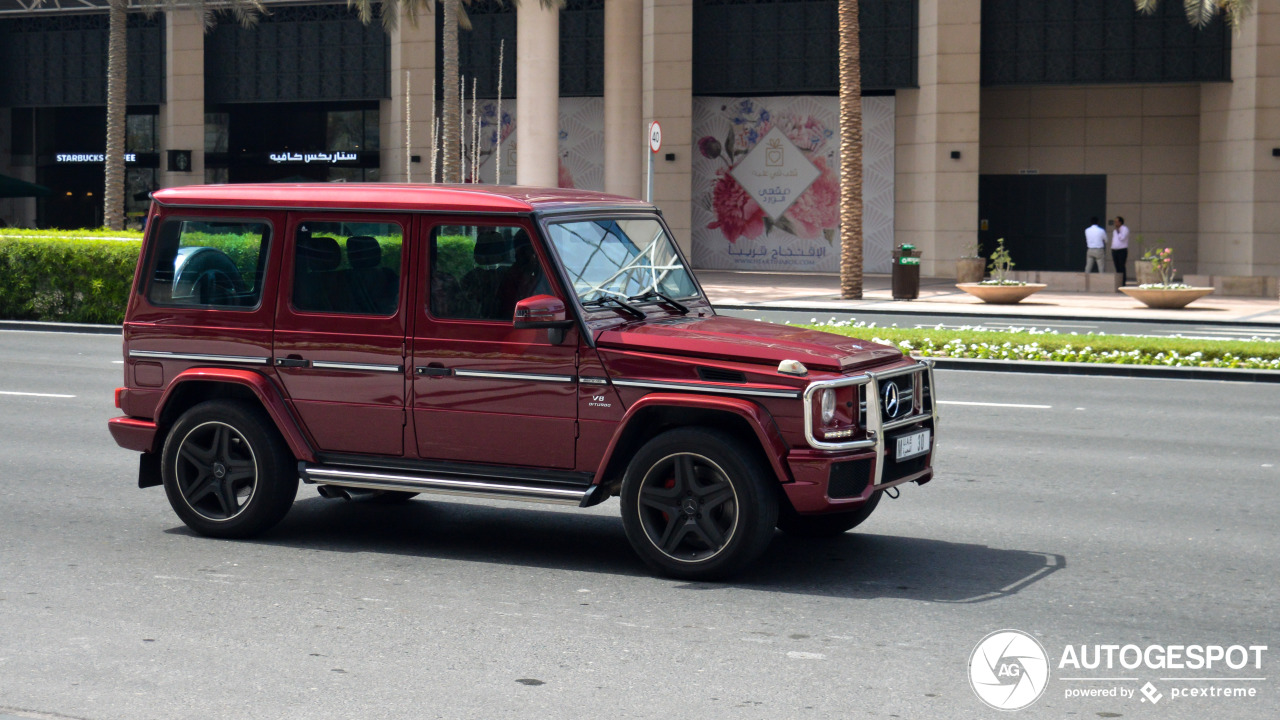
(226, 470)
(697, 503)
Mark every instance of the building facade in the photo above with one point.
(984, 119)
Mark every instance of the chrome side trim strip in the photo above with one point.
(707, 388)
(533, 377)
(366, 367)
(593, 380)
(237, 359)
(382, 480)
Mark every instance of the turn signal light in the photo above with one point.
(119, 392)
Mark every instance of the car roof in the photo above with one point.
(395, 197)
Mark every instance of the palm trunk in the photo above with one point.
(850, 152)
(117, 107)
(450, 120)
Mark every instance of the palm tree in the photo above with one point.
(455, 17)
(850, 152)
(1202, 12)
(246, 11)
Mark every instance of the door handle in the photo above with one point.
(293, 361)
(433, 371)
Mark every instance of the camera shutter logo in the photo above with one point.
(1009, 670)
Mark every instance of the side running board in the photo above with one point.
(379, 479)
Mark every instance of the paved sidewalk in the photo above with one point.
(939, 296)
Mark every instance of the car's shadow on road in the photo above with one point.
(854, 565)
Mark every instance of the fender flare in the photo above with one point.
(758, 418)
(262, 388)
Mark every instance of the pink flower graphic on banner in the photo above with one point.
(565, 175)
(737, 214)
(818, 208)
(805, 132)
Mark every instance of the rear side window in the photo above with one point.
(347, 267)
(201, 263)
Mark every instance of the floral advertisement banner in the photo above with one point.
(766, 183)
(581, 142)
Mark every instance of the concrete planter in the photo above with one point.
(1001, 294)
(1144, 273)
(970, 269)
(1166, 298)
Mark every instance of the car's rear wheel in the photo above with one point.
(825, 526)
(226, 470)
(697, 503)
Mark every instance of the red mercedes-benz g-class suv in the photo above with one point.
(503, 342)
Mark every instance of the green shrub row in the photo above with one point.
(61, 279)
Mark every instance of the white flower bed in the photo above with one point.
(957, 348)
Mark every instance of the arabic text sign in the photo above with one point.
(775, 173)
(307, 158)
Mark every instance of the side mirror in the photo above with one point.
(541, 311)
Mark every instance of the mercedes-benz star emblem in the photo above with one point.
(891, 399)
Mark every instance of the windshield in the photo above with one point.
(624, 259)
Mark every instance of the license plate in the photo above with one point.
(912, 445)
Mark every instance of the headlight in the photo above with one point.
(828, 406)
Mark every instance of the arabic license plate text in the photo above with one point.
(912, 445)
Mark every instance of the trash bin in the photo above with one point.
(906, 273)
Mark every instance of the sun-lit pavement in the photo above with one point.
(939, 296)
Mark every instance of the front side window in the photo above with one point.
(623, 259)
(209, 264)
(479, 272)
(351, 268)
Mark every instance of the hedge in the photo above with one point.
(79, 280)
(62, 278)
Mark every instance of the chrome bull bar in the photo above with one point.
(875, 427)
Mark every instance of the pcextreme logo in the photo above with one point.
(1009, 670)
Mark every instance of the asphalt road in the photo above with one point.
(1084, 510)
(1081, 325)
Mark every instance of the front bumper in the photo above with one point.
(835, 476)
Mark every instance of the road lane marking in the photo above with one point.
(27, 394)
(991, 404)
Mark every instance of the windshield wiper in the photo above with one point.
(626, 307)
(653, 293)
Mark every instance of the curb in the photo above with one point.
(1015, 366)
(979, 317)
(38, 326)
(1109, 369)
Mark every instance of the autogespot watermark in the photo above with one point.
(1009, 670)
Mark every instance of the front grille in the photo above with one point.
(903, 404)
(848, 479)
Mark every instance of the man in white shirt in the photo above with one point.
(1120, 249)
(1095, 238)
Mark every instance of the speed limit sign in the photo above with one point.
(655, 136)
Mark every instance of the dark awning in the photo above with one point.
(13, 187)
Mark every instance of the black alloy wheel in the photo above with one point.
(697, 504)
(227, 471)
(216, 470)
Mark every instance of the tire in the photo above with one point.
(698, 504)
(825, 526)
(227, 471)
